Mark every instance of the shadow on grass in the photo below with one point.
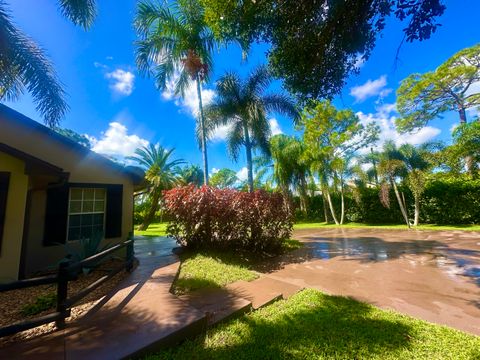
(315, 326)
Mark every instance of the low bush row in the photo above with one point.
(445, 201)
(207, 217)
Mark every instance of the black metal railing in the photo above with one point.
(68, 270)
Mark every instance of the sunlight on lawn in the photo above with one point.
(312, 325)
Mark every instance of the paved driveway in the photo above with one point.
(434, 275)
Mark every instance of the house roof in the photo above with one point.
(134, 173)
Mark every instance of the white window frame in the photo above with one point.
(104, 212)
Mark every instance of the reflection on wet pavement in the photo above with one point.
(453, 261)
(158, 249)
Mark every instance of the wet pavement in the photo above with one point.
(434, 275)
(156, 249)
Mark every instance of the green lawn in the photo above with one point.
(312, 325)
(315, 225)
(215, 269)
(209, 270)
(157, 229)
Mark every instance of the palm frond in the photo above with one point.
(282, 104)
(24, 65)
(80, 12)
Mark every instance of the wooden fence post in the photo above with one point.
(62, 291)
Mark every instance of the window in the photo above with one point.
(86, 214)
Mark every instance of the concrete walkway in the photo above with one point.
(139, 315)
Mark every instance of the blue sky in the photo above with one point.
(112, 103)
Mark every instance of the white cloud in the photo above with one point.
(116, 141)
(388, 131)
(221, 133)
(215, 170)
(190, 99)
(242, 174)
(275, 127)
(99, 65)
(370, 88)
(121, 81)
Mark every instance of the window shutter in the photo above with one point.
(4, 182)
(56, 216)
(114, 211)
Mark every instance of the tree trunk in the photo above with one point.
(325, 210)
(375, 173)
(147, 220)
(342, 216)
(248, 150)
(303, 195)
(468, 159)
(332, 210)
(204, 134)
(417, 211)
(463, 115)
(400, 203)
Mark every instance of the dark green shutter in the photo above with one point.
(4, 182)
(114, 211)
(56, 216)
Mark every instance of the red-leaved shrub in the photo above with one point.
(208, 217)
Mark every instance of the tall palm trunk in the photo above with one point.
(400, 202)
(303, 195)
(330, 204)
(204, 134)
(147, 220)
(417, 211)
(248, 151)
(325, 210)
(342, 216)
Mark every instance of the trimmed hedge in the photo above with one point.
(445, 201)
(208, 217)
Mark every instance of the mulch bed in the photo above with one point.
(13, 302)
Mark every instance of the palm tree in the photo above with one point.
(159, 174)
(416, 162)
(176, 44)
(290, 171)
(24, 66)
(390, 168)
(190, 174)
(243, 106)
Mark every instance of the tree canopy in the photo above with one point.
(424, 97)
(175, 43)
(313, 40)
(224, 178)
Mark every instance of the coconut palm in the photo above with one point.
(176, 45)
(24, 65)
(160, 175)
(243, 106)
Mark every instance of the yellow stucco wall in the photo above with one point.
(13, 229)
(83, 168)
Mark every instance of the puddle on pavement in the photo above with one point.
(453, 261)
(154, 246)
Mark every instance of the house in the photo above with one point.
(54, 192)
